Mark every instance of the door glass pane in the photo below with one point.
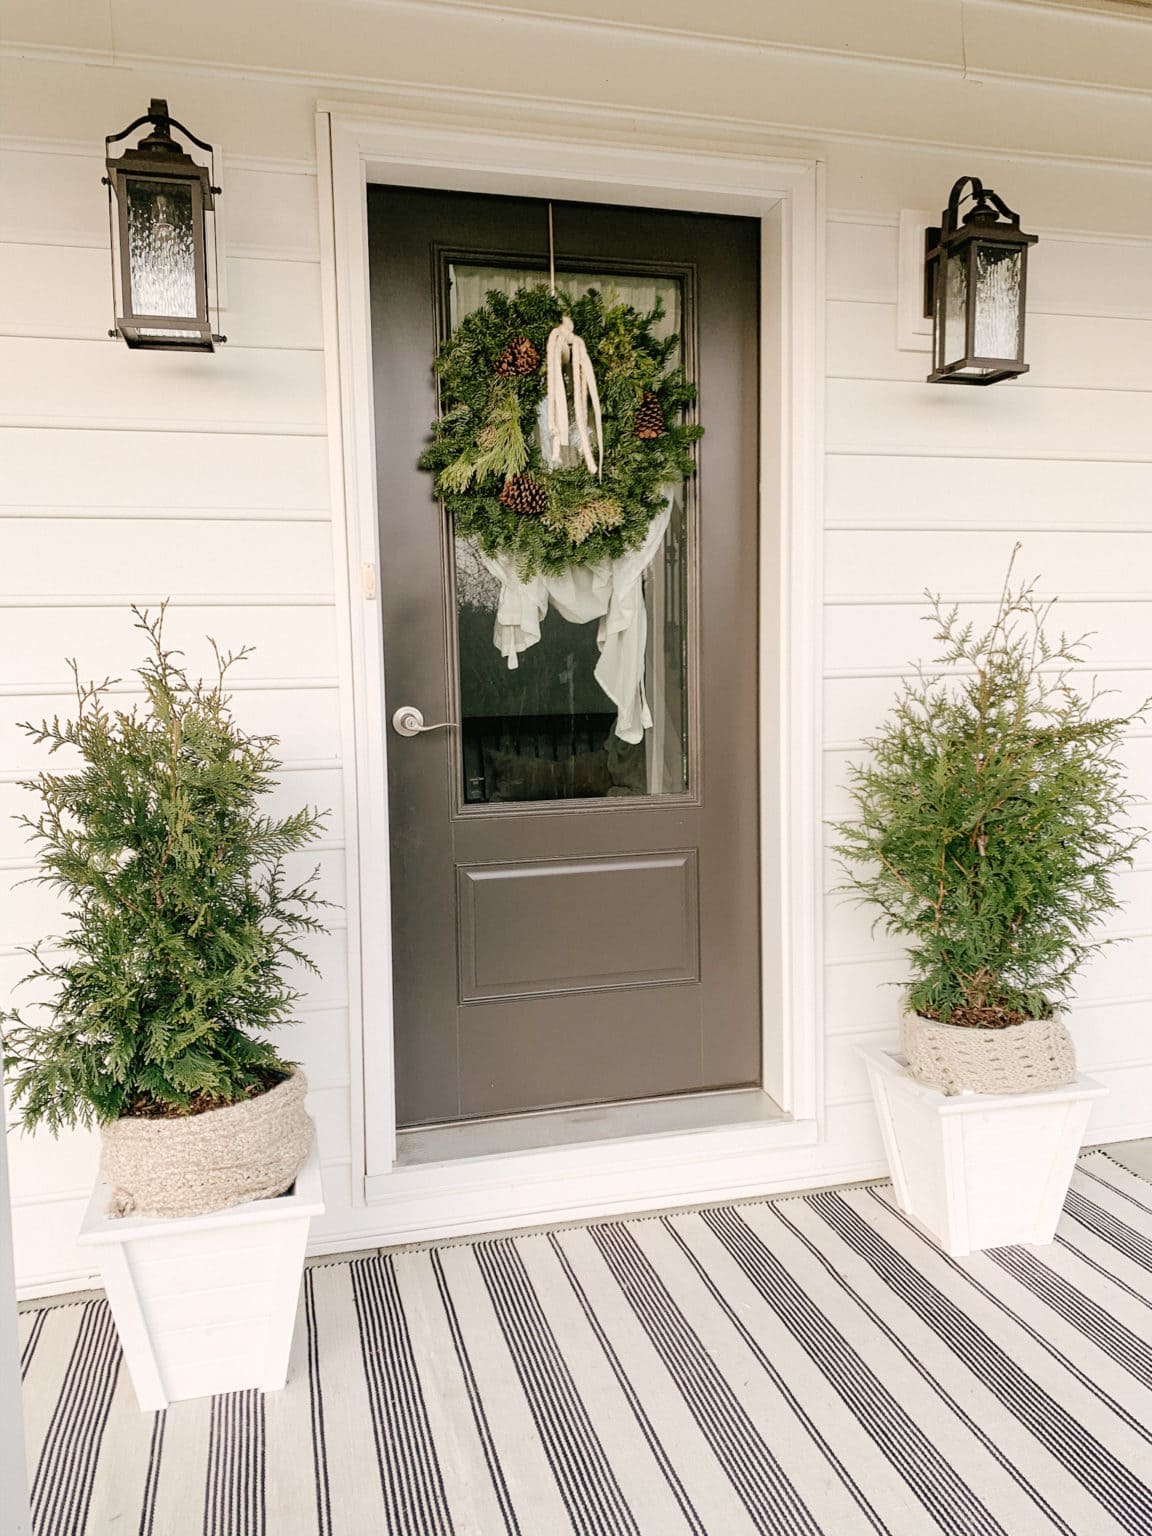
(546, 729)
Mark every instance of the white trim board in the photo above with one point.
(357, 145)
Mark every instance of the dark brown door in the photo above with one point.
(575, 912)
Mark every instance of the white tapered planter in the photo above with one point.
(979, 1170)
(206, 1304)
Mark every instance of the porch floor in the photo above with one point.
(809, 1366)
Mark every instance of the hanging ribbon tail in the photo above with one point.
(564, 346)
(594, 396)
(557, 353)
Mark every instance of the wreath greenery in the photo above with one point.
(490, 471)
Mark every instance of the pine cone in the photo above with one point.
(650, 417)
(524, 495)
(518, 359)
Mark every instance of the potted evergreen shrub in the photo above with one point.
(158, 996)
(990, 821)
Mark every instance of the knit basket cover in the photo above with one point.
(194, 1164)
(1021, 1058)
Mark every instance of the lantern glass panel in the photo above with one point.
(161, 250)
(998, 312)
(954, 310)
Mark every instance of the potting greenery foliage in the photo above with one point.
(991, 818)
(181, 917)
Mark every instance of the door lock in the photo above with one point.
(408, 721)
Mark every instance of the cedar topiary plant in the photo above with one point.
(992, 818)
(181, 915)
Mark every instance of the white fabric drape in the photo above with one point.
(610, 591)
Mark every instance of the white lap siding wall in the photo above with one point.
(130, 478)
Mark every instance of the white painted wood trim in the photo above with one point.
(15, 1518)
(359, 144)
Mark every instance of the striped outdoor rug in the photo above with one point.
(799, 1367)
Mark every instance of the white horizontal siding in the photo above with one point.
(131, 478)
(96, 468)
(64, 291)
(203, 480)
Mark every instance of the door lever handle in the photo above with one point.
(408, 721)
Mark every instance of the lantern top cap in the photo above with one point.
(159, 151)
(989, 216)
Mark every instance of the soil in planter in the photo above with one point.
(144, 1108)
(993, 1016)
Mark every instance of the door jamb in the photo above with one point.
(360, 144)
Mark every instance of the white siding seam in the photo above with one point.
(881, 298)
(122, 688)
(199, 428)
(173, 600)
(299, 765)
(916, 599)
(88, 149)
(233, 250)
(12, 332)
(291, 518)
(689, 38)
(976, 525)
(1060, 232)
(778, 139)
(989, 455)
(908, 670)
(10, 950)
(1025, 385)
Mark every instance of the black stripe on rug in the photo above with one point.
(316, 1410)
(584, 1477)
(234, 1503)
(475, 1400)
(953, 1404)
(1121, 1493)
(410, 1476)
(1007, 1310)
(66, 1468)
(929, 1476)
(647, 1428)
(774, 1505)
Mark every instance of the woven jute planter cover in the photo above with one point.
(199, 1163)
(1021, 1058)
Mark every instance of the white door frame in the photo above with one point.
(633, 165)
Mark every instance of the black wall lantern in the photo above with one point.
(975, 277)
(159, 200)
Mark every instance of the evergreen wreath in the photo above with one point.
(490, 472)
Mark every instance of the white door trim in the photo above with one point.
(635, 165)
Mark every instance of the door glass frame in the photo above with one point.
(444, 256)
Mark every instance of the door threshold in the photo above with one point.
(557, 1128)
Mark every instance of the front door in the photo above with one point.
(576, 911)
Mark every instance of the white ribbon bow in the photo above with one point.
(565, 346)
